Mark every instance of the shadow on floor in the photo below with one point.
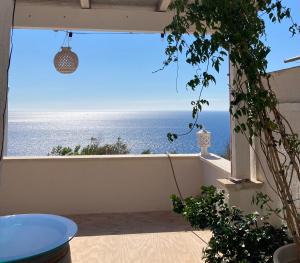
(129, 223)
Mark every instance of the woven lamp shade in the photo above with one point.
(66, 61)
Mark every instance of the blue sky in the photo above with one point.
(115, 72)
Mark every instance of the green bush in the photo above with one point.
(148, 151)
(119, 147)
(201, 211)
(237, 237)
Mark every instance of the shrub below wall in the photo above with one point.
(237, 237)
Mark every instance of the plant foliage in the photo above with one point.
(119, 147)
(206, 32)
(236, 237)
(200, 211)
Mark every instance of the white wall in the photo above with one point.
(286, 85)
(103, 184)
(215, 168)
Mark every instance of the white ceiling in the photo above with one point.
(103, 15)
(154, 5)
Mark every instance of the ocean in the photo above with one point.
(36, 133)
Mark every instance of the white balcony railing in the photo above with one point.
(103, 184)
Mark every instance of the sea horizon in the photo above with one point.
(109, 110)
(35, 133)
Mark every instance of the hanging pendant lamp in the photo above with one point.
(66, 61)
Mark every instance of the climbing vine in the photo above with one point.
(208, 31)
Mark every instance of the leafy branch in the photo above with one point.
(236, 29)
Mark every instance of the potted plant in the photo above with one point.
(237, 29)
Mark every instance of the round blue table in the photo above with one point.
(36, 238)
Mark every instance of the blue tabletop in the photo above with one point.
(27, 235)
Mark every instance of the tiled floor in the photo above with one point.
(157, 237)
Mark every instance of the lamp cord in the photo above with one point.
(7, 80)
(174, 177)
(180, 194)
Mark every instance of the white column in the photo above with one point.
(240, 148)
(6, 10)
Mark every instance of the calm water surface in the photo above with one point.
(35, 133)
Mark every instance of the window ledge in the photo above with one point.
(230, 185)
